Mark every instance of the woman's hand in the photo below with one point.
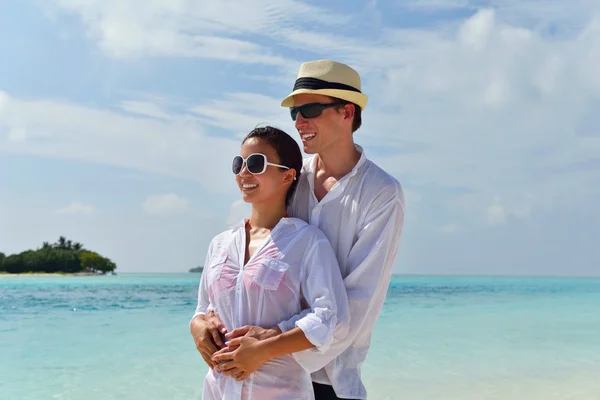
(241, 357)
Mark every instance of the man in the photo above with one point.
(358, 206)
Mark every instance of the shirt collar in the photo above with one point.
(361, 160)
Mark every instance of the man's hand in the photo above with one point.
(216, 321)
(240, 358)
(205, 332)
(255, 332)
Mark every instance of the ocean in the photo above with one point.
(127, 337)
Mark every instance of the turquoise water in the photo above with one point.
(126, 337)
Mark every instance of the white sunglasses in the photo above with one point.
(255, 163)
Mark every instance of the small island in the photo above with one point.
(197, 269)
(62, 257)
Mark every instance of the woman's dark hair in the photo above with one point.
(287, 150)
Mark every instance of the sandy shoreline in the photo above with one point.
(581, 385)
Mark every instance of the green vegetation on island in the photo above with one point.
(64, 256)
(197, 269)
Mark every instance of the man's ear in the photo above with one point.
(349, 111)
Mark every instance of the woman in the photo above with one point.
(268, 269)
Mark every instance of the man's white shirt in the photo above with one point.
(362, 217)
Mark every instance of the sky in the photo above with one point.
(119, 120)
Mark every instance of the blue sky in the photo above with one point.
(118, 121)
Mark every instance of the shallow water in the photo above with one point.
(126, 337)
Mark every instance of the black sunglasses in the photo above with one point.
(312, 110)
(255, 163)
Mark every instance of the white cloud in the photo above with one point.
(476, 31)
(165, 204)
(17, 135)
(77, 208)
(238, 211)
(499, 212)
(241, 112)
(482, 103)
(488, 116)
(160, 28)
(214, 30)
(175, 146)
(490, 102)
(145, 108)
(496, 214)
(4, 99)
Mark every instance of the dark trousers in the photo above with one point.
(324, 392)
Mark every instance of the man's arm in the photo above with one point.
(327, 320)
(370, 264)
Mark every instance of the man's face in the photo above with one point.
(323, 132)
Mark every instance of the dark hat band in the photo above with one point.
(316, 84)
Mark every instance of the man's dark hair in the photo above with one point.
(287, 150)
(357, 120)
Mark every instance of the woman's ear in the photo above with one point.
(290, 175)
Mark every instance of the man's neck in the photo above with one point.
(338, 162)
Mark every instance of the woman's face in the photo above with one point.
(271, 185)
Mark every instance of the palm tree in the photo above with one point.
(46, 245)
(62, 242)
(77, 246)
(69, 245)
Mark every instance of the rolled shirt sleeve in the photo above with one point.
(327, 320)
(203, 305)
(323, 289)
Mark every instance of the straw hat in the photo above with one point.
(329, 78)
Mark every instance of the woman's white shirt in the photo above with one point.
(295, 268)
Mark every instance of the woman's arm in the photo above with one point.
(204, 333)
(289, 342)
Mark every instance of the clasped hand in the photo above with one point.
(243, 354)
(240, 355)
(239, 358)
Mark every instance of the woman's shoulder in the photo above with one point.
(298, 224)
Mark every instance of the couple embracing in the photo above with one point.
(289, 297)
